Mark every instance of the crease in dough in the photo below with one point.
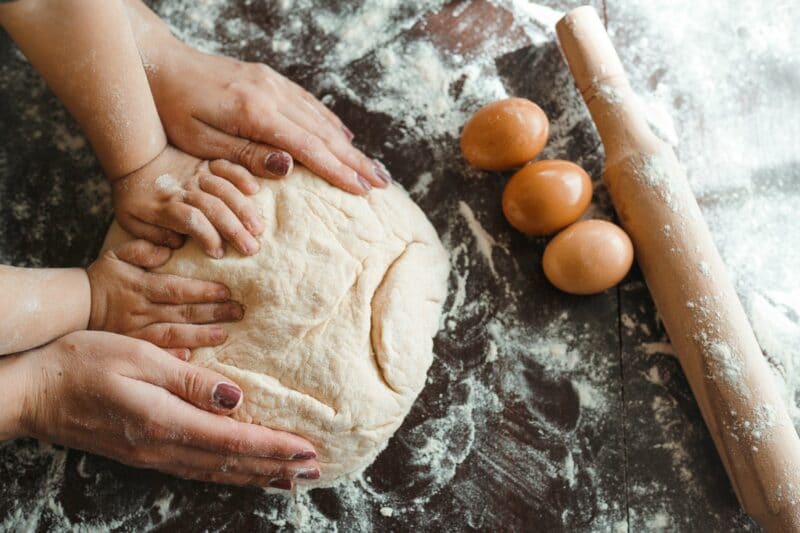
(340, 313)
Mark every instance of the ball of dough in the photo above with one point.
(546, 196)
(342, 302)
(588, 257)
(504, 134)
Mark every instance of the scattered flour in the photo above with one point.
(168, 184)
(756, 228)
(483, 240)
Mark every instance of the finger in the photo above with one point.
(202, 387)
(183, 423)
(321, 109)
(312, 151)
(183, 388)
(224, 478)
(181, 335)
(154, 234)
(259, 158)
(181, 353)
(224, 221)
(199, 313)
(238, 175)
(142, 253)
(340, 147)
(170, 289)
(235, 200)
(195, 459)
(187, 219)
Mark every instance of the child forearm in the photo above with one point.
(39, 305)
(85, 50)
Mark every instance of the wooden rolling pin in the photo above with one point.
(706, 323)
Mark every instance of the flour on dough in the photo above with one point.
(342, 302)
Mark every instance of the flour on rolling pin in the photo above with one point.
(763, 476)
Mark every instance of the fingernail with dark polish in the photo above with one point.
(283, 484)
(364, 183)
(349, 134)
(226, 395)
(382, 173)
(312, 473)
(278, 163)
(302, 456)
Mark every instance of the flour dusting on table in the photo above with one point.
(467, 440)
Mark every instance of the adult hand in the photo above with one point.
(169, 311)
(128, 400)
(218, 107)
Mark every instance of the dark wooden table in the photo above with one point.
(543, 411)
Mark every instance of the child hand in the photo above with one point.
(168, 311)
(177, 194)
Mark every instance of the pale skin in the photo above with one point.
(219, 107)
(123, 397)
(131, 401)
(119, 396)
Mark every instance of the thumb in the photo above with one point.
(202, 387)
(260, 159)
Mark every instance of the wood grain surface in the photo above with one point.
(539, 459)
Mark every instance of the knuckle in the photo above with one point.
(316, 144)
(138, 456)
(139, 351)
(263, 71)
(284, 471)
(238, 446)
(170, 291)
(247, 154)
(240, 94)
(189, 312)
(226, 464)
(166, 336)
(153, 431)
(202, 476)
(193, 383)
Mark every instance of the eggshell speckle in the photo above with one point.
(588, 257)
(504, 134)
(546, 196)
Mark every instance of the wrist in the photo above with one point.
(14, 381)
(153, 37)
(146, 162)
(80, 293)
(96, 302)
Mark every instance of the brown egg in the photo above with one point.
(504, 134)
(545, 196)
(588, 257)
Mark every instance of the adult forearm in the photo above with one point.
(86, 51)
(149, 31)
(39, 305)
